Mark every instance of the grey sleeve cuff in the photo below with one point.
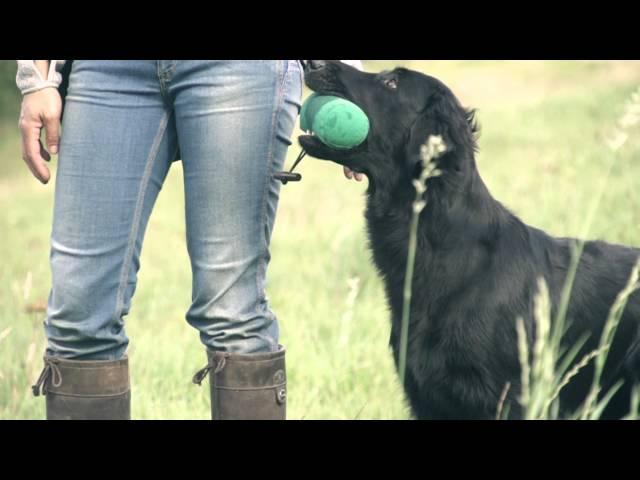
(29, 79)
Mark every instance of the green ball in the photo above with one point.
(336, 122)
(310, 109)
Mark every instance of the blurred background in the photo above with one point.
(543, 152)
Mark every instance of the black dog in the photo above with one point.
(477, 265)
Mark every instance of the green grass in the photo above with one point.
(542, 155)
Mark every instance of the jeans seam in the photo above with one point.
(135, 224)
(282, 71)
(300, 67)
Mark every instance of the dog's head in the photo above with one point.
(404, 108)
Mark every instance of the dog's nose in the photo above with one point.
(317, 64)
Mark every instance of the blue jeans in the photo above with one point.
(123, 123)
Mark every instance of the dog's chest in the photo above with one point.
(451, 376)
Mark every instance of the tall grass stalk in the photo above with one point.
(432, 149)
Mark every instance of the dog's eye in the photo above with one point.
(391, 83)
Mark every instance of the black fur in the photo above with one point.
(64, 85)
(477, 264)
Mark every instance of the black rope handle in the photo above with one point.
(289, 176)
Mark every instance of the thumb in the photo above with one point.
(52, 128)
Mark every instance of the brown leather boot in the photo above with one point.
(246, 386)
(85, 390)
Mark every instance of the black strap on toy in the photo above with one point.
(289, 176)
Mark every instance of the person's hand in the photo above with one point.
(348, 173)
(40, 109)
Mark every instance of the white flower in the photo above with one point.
(433, 148)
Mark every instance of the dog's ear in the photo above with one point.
(445, 117)
(430, 122)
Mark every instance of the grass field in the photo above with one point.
(542, 154)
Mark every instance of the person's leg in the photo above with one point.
(234, 120)
(117, 143)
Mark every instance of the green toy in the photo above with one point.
(338, 123)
